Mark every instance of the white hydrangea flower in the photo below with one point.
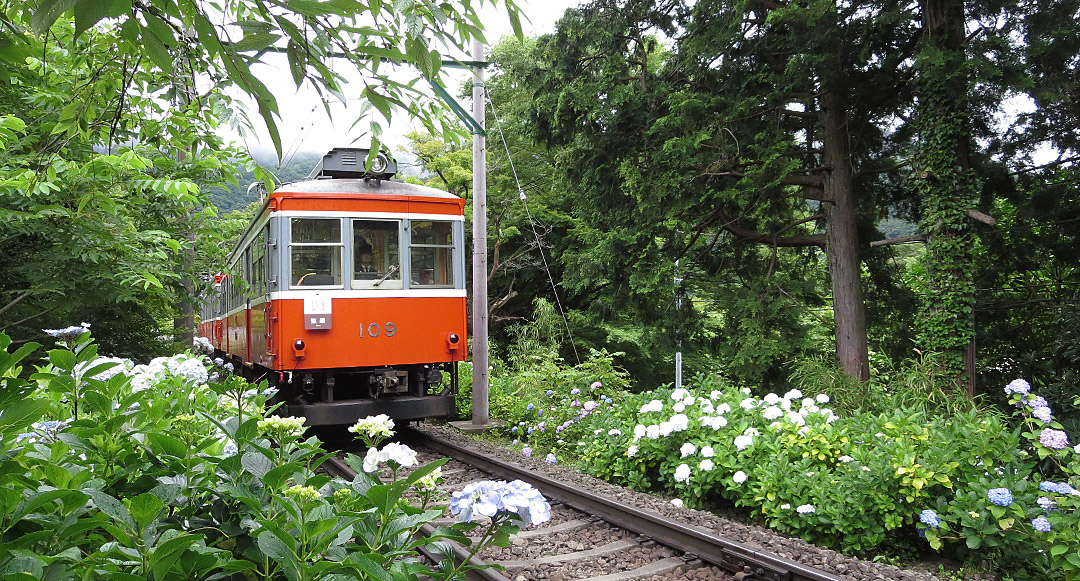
(632, 451)
(680, 422)
(771, 399)
(748, 403)
(845, 459)
(707, 451)
(653, 406)
(793, 394)
(682, 473)
(679, 407)
(772, 413)
(687, 449)
(742, 442)
(746, 390)
(677, 502)
(805, 509)
(639, 432)
(706, 465)
(739, 477)
(822, 398)
(679, 394)
(716, 394)
(723, 408)
(652, 431)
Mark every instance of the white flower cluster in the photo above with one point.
(518, 500)
(374, 427)
(202, 345)
(282, 427)
(190, 368)
(400, 454)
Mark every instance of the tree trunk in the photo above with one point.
(842, 240)
(947, 189)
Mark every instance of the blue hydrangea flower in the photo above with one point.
(517, 499)
(1044, 414)
(929, 518)
(1018, 386)
(1000, 496)
(1058, 487)
(1046, 503)
(550, 458)
(575, 391)
(540, 412)
(529, 407)
(549, 392)
(1054, 439)
(1035, 401)
(1041, 524)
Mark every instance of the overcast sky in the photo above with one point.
(304, 125)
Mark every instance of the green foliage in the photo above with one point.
(922, 384)
(150, 473)
(311, 33)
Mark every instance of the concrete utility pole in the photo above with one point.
(480, 413)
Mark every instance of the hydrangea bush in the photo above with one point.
(1030, 507)
(164, 471)
(852, 483)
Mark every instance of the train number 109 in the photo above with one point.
(374, 329)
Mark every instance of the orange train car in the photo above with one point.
(347, 293)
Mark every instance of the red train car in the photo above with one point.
(347, 293)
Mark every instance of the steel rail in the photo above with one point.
(746, 562)
(336, 467)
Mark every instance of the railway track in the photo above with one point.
(594, 537)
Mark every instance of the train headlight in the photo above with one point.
(298, 348)
(453, 341)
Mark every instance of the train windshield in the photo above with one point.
(431, 254)
(315, 252)
(376, 254)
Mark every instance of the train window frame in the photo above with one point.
(443, 257)
(311, 249)
(390, 261)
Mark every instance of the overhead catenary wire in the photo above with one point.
(532, 225)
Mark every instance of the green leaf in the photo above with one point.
(89, 13)
(166, 554)
(62, 358)
(112, 507)
(46, 14)
(145, 508)
(22, 413)
(256, 463)
(256, 42)
(158, 442)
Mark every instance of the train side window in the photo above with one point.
(431, 254)
(376, 253)
(315, 251)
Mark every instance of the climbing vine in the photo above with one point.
(947, 189)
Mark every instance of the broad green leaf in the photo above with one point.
(112, 507)
(256, 463)
(165, 555)
(145, 508)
